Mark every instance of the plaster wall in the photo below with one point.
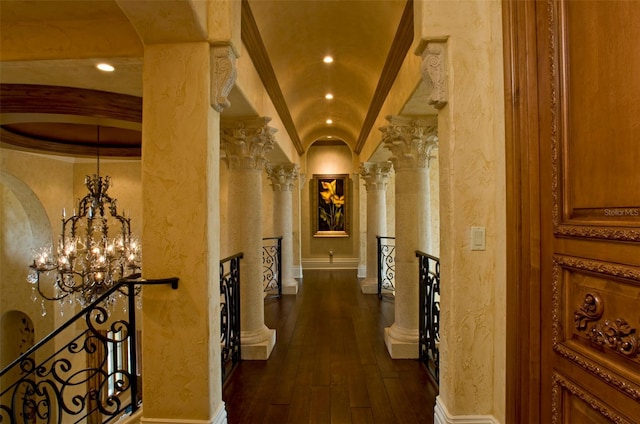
(336, 159)
(472, 193)
(35, 188)
(180, 234)
(248, 82)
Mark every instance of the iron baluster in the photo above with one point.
(386, 266)
(272, 266)
(230, 314)
(81, 379)
(429, 307)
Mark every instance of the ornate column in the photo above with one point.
(245, 143)
(283, 178)
(376, 177)
(410, 140)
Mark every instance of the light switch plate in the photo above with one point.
(478, 238)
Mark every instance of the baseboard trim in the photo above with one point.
(442, 416)
(336, 263)
(297, 271)
(219, 418)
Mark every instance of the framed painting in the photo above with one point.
(330, 202)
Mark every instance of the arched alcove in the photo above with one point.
(16, 336)
(23, 225)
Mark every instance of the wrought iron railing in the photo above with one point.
(93, 377)
(386, 266)
(230, 314)
(272, 266)
(429, 280)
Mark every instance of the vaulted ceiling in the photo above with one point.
(58, 43)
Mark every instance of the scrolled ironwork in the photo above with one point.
(272, 266)
(386, 265)
(429, 309)
(230, 314)
(82, 378)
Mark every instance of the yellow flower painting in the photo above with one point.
(331, 216)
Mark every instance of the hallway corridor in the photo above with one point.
(330, 363)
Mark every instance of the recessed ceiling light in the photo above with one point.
(329, 121)
(105, 67)
(328, 96)
(328, 59)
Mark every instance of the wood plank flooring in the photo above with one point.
(330, 364)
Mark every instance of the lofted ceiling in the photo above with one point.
(58, 43)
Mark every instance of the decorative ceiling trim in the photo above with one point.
(12, 140)
(258, 53)
(54, 100)
(27, 98)
(398, 51)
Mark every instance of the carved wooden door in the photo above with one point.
(588, 84)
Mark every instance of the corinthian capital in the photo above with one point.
(223, 67)
(246, 142)
(375, 175)
(410, 140)
(282, 175)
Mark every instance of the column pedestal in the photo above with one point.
(402, 343)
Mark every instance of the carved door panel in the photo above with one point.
(589, 138)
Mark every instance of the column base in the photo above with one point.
(296, 271)
(257, 345)
(401, 343)
(290, 286)
(369, 286)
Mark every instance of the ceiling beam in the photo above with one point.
(398, 51)
(258, 53)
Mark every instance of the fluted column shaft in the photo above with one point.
(283, 178)
(245, 143)
(410, 140)
(376, 177)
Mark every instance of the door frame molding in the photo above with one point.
(523, 372)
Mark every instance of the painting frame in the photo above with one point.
(330, 203)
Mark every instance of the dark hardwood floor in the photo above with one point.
(330, 363)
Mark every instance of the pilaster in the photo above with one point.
(410, 140)
(180, 169)
(245, 143)
(375, 177)
(283, 178)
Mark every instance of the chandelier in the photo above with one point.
(94, 251)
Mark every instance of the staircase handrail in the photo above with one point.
(122, 282)
(55, 382)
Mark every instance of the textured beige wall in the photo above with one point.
(471, 133)
(35, 189)
(181, 234)
(330, 160)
